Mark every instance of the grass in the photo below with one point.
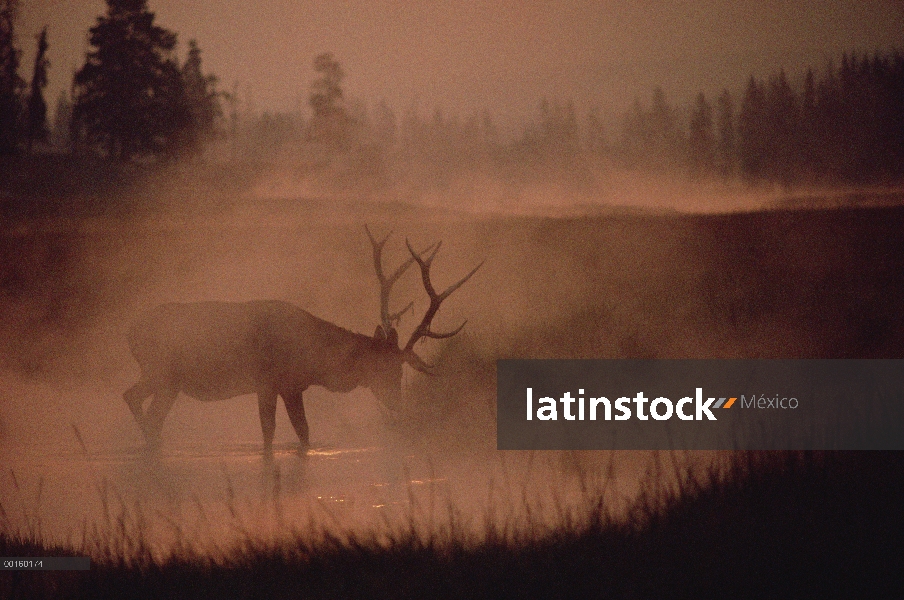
(785, 524)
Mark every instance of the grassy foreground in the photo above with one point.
(776, 525)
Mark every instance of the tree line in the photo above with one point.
(845, 125)
(133, 99)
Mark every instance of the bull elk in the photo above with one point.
(219, 350)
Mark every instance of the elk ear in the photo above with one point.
(379, 334)
(417, 363)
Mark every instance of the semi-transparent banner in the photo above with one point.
(700, 404)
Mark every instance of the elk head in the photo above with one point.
(385, 380)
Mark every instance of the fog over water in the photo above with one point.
(68, 364)
(595, 280)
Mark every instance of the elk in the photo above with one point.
(219, 350)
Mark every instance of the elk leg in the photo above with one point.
(156, 413)
(266, 406)
(135, 397)
(295, 408)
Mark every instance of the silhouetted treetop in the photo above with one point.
(331, 124)
(326, 93)
(846, 125)
(725, 127)
(129, 94)
(652, 138)
(701, 141)
(203, 102)
(11, 85)
(36, 127)
(752, 144)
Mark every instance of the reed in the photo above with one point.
(787, 524)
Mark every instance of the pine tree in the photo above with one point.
(11, 85)
(666, 138)
(36, 129)
(782, 125)
(726, 151)
(558, 132)
(752, 145)
(330, 124)
(62, 122)
(203, 102)
(489, 131)
(701, 144)
(634, 138)
(808, 134)
(130, 99)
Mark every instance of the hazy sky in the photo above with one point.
(462, 55)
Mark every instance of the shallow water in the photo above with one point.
(81, 470)
(739, 286)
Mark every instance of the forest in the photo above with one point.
(134, 100)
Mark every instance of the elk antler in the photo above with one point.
(423, 329)
(387, 319)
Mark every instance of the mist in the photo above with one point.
(463, 57)
(566, 274)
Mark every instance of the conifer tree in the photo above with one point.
(36, 129)
(725, 129)
(62, 121)
(203, 102)
(129, 96)
(781, 126)
(701, 141)
(752, 139)
(330, 124)
(11, 85)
